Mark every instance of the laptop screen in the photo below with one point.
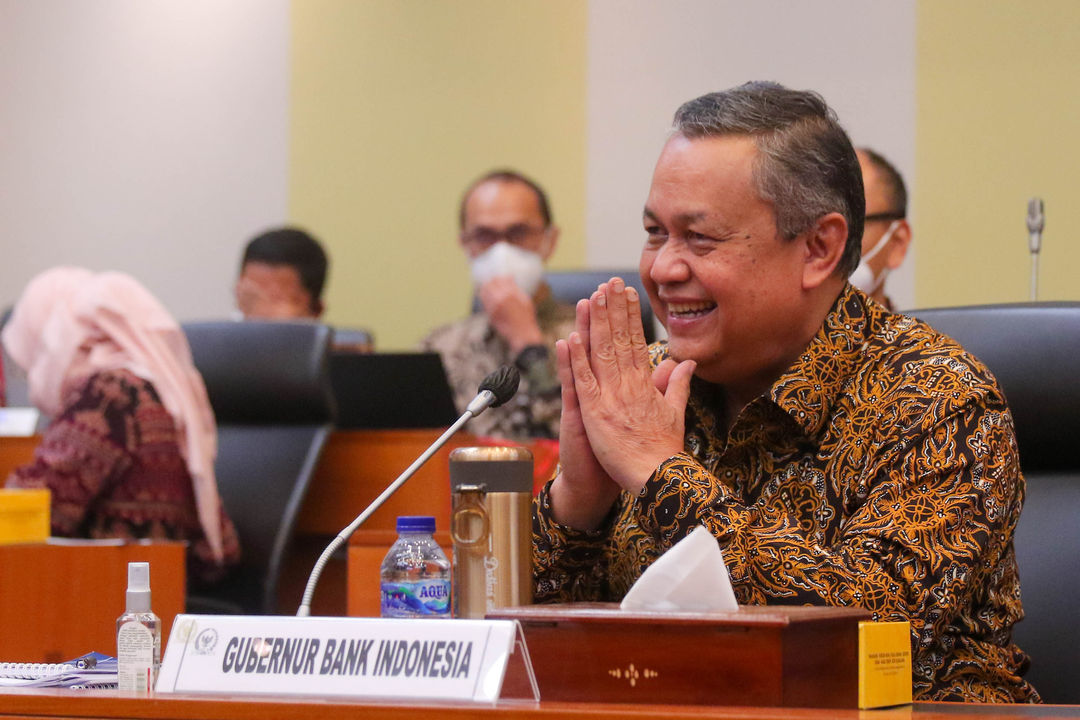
(391, 391)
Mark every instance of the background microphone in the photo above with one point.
(1036, 219)
(496, 389)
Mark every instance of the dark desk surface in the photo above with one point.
(53, 703)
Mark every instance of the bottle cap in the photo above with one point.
(416, 523)
(138, 588)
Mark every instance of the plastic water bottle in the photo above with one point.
(415, 574)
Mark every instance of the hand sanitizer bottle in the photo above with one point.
(138, 635)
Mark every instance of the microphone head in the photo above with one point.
(1036, 218)
(502, 383)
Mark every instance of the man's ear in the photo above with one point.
(551, 239)
(318, 307)
(825, 243)
(898, 245)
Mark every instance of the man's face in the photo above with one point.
(880, 215)
(272, 292)
(726, 287)
(508, 211)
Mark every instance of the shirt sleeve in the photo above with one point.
(937, 518)
(568, 565)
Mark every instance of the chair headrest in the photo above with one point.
(1033, 349)
(260, 372)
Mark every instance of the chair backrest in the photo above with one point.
(269, 386)
(572, 285)
(1034, 351)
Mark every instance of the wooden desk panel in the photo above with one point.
(60, 601)
(102, 704)
(16, 451)
(357, 465)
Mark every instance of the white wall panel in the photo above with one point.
(646, 57)
(143, 135)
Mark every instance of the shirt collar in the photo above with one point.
(815, 382)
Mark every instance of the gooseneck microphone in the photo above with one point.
(496, 389)
(1036, 219)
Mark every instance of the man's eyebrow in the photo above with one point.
(682, 218)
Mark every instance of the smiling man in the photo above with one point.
(839, 453)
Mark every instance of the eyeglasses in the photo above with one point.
(515, 235)
(888, 216)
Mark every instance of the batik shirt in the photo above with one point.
(879, 471)
(471, 350)
(111, 461)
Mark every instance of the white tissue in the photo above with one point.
(689, 577)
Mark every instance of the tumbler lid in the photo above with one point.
(497, 469)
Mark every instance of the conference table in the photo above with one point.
(102, 704)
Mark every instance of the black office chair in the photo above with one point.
(1034, 351)
(269, 386)
(569, 286)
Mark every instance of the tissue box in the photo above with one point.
(24, 516)
(794, 656)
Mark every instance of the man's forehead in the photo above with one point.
(271, 273)
(502, 200)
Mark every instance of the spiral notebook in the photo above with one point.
(92, 670)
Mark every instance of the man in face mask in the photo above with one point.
(887, 234)
(507, 235)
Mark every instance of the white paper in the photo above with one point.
(690, 577)
(18, 421)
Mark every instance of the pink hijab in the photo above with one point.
(71, 323)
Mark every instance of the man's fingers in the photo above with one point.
(639, 348)
(601, 351)
(662, 374)
(678, 386)
(585, 384)
(566, 375)
(619, 322)
(581, 320)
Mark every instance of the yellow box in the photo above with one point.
(24, 516)
(884, 664)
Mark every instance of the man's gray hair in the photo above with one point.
(806, 165)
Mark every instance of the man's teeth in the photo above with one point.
(690, 308)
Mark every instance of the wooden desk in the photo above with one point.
(102, 704)
(60, 601)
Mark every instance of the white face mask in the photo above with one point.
(502, 258)
(863, 277)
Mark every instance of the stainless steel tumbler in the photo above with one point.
(491, 527)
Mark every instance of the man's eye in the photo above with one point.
(518, 234)
(657, 235)
(701, 241)
(483, 237)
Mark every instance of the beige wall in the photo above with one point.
(395, 107)
(998, 113)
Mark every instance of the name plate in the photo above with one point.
(356, 657)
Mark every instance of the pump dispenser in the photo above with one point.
(138, 635)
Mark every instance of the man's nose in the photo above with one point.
(668, 265)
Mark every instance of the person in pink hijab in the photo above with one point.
(130, 450)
